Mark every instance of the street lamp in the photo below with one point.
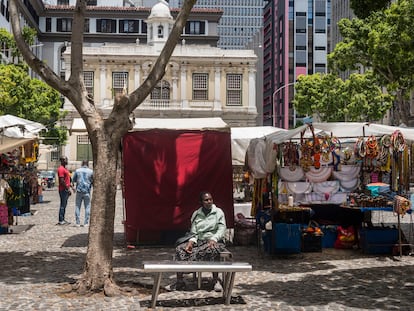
(273, 99)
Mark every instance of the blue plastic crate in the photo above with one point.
(330, 233)
(287, 237)
(378, 240)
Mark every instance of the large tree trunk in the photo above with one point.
(98, 265)
(404, 108)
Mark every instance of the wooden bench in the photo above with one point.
(229, 269)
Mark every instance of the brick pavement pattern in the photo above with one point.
(38, 264)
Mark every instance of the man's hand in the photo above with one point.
(189, 247)
(212, 244)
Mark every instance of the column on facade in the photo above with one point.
(103, 86)
(252, 91)
(137, 76)
(184, 99)
(175, 86)
(217, 88)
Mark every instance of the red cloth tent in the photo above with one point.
(166, 164)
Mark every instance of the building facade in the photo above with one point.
(295, 42)
(121, 42)
(200, 81)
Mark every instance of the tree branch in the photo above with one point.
(158, 70)
(76, 47)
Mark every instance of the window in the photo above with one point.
(83, 148)
(86, 26)
(143, 27)
(234, 90)
(48, 24)
(106, 25)
(88, 80)
(320, 68)
(62, 2)
(128, 26)
(55, 155)
(200, 86)
(195, 28)
(160, 31)
(161, 91)
(119, 83)
(320, 25)
(3, 8)
(92, 2)
(64, 25)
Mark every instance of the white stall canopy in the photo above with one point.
(15, 131)
(261, 155)
(241, 137)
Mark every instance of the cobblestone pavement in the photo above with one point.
(40, 259)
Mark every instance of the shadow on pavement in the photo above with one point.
(40, 267)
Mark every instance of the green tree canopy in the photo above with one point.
(31, 99)
(332, 99)
(384, 42)
(364, 8)
(8, 44)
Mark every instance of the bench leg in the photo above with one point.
(228, 287)
(155, 289)
(199, 279)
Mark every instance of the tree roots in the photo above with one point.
(84, 287)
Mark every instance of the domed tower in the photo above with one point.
(159, 25)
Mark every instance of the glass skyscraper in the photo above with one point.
(240, 22)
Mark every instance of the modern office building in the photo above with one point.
(241, 20)
(295, 42)
(340, 9)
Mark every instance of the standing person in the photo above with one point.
(64, 189)
(83, 178)
(208, 227)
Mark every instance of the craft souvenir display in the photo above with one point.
(349, 185)
(255, 153)
(401, 205)
(270, 156)
(347, 172)
(330, 186)
(299, 187)
(286, 173)
(318, 175)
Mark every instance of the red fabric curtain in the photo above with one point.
(164, 172)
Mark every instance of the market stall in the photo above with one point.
(240, 140)
(331, 174)
(18, 180)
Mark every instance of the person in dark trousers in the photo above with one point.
(83, 179)
(208, 227)
(64, 189)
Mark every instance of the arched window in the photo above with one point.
(161, 91)
(160, 31)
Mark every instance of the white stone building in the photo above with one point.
(200, 80)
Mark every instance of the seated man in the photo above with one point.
(208, 226)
